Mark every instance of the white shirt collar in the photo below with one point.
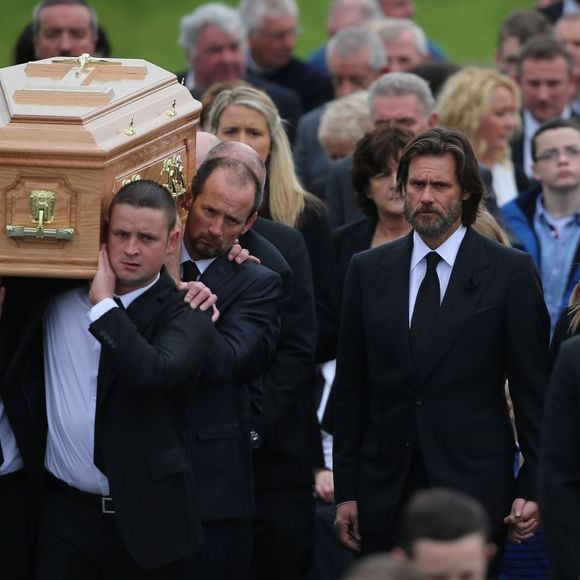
(202, 265)
(126, 299)
(448, 250)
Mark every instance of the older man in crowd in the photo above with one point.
(401, 98)
(355, 59)
(272, 30)
(211, 38)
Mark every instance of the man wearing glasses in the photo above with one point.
(546, 221)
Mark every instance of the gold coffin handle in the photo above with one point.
(41, 212)
(174, 178)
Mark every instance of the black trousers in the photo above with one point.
(18, 514)
(77, 541)
(283, 535)
(226, 550)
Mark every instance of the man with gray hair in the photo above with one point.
(398, 97)
(404, 41)
(213, 45)
(342, 14)
(355, 58)
(272, 30)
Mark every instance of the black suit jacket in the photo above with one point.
(283, 396)
(249, 297)
(560, 463)
(151, 354)
(492, 323)
(553, 11)
(313, 88)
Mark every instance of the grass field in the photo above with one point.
(465, 29)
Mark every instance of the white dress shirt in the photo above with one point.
(12, 460)
(71, 365)
(447, 250)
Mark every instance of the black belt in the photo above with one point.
(100, 503)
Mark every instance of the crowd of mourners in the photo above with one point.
(355, 356)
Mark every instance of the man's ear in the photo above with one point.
(433, 120)
(465, 195)
(249, 223)
(173, 240)
(490, 551)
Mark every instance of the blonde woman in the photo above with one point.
(484, 104)
(248, 115)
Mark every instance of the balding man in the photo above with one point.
(283, 406)
(226, 196)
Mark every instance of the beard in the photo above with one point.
(437, 223)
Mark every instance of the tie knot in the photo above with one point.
(433, 258)
(190, 271)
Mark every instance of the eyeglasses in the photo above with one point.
(571, 151)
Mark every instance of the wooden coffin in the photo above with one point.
(72, 131)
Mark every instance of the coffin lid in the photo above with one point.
(58, 106)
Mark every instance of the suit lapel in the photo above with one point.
(395, 301)
(469, 279)
(217, 274)
(141, 311)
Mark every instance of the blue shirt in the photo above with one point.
(558, 239)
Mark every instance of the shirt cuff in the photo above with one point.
(101, 308)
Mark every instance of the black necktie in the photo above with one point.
(426, 307)
(191, 272)
(119, 302)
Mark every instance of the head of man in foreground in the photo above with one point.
(446, 535)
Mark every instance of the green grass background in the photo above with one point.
(466, 29)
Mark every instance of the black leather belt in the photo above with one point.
(100, 503)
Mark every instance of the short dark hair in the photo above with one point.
(47, 3)
(523, 24)
(544, 47)
(382, 567)
(372, 156)
(149, 194)
(237, 169)
(438, 142)
(443, 515)
(548, 126)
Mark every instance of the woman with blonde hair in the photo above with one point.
(568, 324)
(248, 115)
(484, 104)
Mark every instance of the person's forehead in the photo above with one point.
(211, 33)
(392, 107)
(567, 28)
(274, 23)
(557, 138)
(442, 166)
(360, 57)
(467, 553)
(555, 67)
(64, 14)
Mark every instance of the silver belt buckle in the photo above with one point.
(105, 505)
